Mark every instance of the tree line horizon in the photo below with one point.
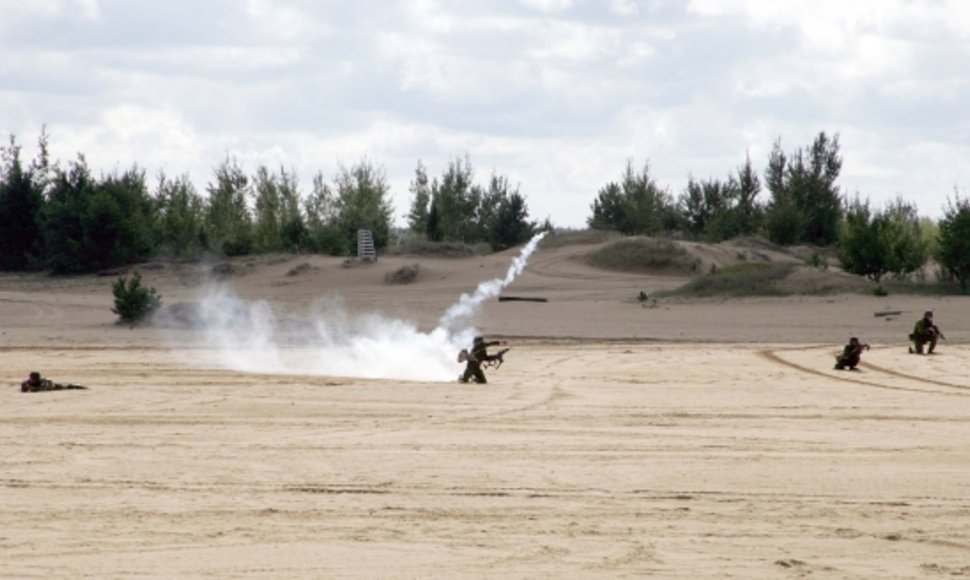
(62, 219)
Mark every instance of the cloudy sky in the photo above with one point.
(556, 95)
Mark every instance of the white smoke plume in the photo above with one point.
(249, 336)
(467, 305)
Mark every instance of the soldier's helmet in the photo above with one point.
(479, 339)
(34, 376)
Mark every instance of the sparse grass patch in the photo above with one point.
(422, 247)
(917, 288)
(649, 255)
(750, 279)
(403, 275)
(577, 237)
(300, 269)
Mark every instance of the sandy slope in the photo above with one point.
(690, 440)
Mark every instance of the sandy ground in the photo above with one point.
(683, 440)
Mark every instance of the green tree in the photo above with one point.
(118, 222)
(903, 236)
(705, 206)
(635, 206)
(873, 244)
(806, 203)
(457, 201)
(748, 211)
(294, 233)
(716, 210)
(363, 202)
(860, 251)
(323, 234)
(953, 252)
(61, 217)
(609, 209)
(267, 235)
(21, 199)
(511, 226)
(420, 190)
(433, 228)
(229, 223)
(180, 217)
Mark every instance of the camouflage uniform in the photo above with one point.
(478, 355)
(851, 355)
(35, 383)
(925, 332)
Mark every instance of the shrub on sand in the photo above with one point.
(403, 275)
(133, 302)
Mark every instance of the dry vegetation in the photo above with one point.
(645, 255)
(403, 275)
(421, 247)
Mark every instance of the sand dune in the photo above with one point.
(690, 440)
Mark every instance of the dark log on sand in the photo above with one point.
(521, 298)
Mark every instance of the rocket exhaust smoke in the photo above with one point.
(467, 305)
(249, 336)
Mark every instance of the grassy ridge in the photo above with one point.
(647, 255)
(753, 279)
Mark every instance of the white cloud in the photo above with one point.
(625, 7)
(555, 94)
(548, 5)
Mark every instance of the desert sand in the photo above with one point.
(667, 439)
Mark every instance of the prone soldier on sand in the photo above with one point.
(851, 355)
(36, 383)
(477, 357)
(925, 332)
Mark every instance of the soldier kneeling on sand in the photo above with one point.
(36, 383)
(925, 333)
(851, 355)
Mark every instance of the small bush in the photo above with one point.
(403, 275)
(133, 302)
(817, 260)
(749, 279)
(297, 270)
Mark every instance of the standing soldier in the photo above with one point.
(473, 360)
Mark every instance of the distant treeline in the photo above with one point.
(64, 220)
(806, 206)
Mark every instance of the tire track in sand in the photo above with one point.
(772, 356)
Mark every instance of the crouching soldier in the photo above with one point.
(925, 333)
(851, 355)
(35, 383)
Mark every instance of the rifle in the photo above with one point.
(495, 360)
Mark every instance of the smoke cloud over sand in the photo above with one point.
(249, 336)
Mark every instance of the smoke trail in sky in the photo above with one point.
(469, 303)
(249, 336)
